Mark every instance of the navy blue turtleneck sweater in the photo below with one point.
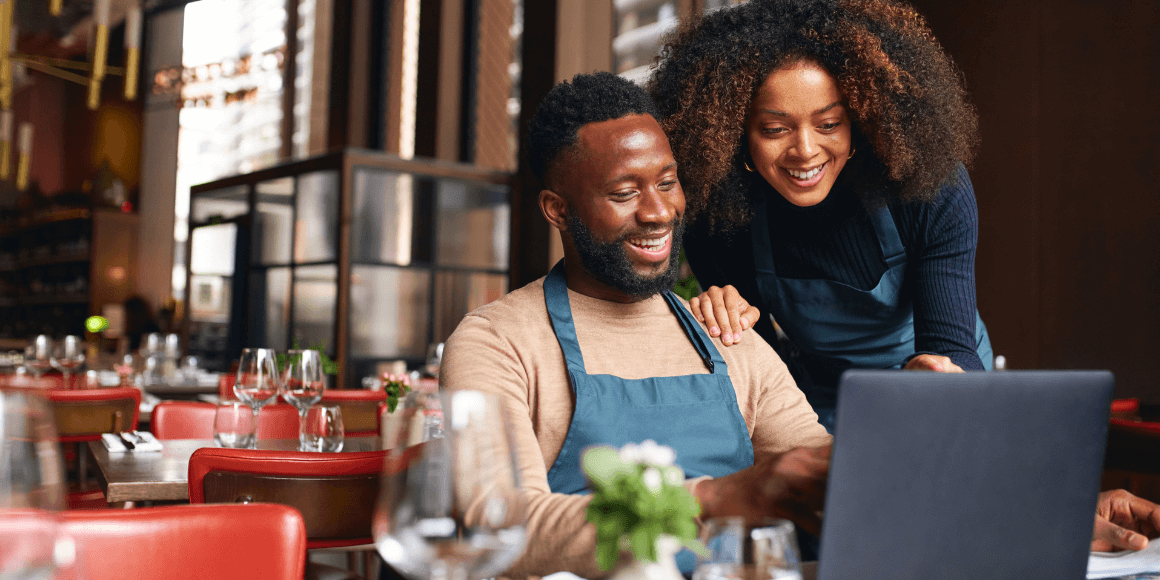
(835, 240)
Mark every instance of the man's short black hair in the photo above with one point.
(589, 98)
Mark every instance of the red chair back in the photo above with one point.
(360, 410)
(335, 492)
(1125, 408)
(200, 541)
(194, 420)
(183, 420)
(226, 386)
(85, 415)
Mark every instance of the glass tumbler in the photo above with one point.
(322, 429)
(234, 425)
(740, 552)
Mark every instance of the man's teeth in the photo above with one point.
(804, 175)
(649, 244)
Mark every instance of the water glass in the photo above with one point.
(322, 429)
(68, 356)
(257, 381)
(38, 356)
(235, 425)
(740, 552)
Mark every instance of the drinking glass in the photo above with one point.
(302, 385)
(257, 382)
(38, 356)
(321, 429)
(68, 356)
(31, 487)
(738, 552)
(235, 425)
(450, 509)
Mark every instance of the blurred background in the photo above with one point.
(346, 174)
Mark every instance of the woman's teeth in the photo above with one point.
(805, 175)
(649, 244)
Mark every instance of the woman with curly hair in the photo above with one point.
(821, 146)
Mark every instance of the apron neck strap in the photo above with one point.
(705, 349)
(556, 297)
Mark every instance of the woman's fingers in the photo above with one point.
(725, 313)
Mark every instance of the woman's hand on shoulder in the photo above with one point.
(725, 313)
(932, 362)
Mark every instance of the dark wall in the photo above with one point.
(1067, 179)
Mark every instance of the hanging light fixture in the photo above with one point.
(60, 67)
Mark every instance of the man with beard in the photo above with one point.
(600, 352)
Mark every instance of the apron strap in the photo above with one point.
(708, 353)
(556, 297)
(888, 239)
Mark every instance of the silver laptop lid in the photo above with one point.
(975, 475)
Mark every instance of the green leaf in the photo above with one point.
(603, 465)
(642, 542)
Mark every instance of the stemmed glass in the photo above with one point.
(302, 385)
(257, 382)
(38, 357)
(31, 487)
(451, 509)
(68, 356)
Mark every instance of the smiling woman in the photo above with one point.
(822, 146)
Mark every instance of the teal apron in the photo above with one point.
(834, 326)
(696, 415)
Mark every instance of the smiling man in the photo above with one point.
(600, 352)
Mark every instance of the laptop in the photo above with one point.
(975, 475)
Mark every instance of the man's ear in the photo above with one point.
(554, 208)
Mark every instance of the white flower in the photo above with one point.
(652, 479)
(630, 453)
(674, 476)
(654, 454)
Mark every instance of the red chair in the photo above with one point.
(226, 386)
(335, 492)
(194, 420)
(203, 541)
(83, 416)
(360, 410)
(1126, 408)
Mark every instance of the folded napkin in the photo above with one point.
(142, 441)
(1126, 563)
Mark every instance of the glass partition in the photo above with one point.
(427, 242)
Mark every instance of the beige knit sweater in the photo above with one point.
(508, 347)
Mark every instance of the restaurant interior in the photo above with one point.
(194, 189)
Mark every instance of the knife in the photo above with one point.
(128, 444)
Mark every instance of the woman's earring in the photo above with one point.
(745, 162)
(851, 155)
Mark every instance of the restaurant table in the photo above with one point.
(163, 476)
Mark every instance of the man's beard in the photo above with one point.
(608, 262)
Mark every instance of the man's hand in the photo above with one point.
(791, 485)
(932, 362)
(1124, 522)
(725, 313)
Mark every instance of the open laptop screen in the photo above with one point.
(975, 475)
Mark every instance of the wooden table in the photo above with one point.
(163, 475)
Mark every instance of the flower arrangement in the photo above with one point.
(396, 386)
(639, 495)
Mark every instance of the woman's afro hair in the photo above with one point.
(589, 98)
(912, 122)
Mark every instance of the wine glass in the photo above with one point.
(302, 385)
(38, 356)
(451, 509)
(31, 487)
(257, 382)
(68, 356)
(322, 429)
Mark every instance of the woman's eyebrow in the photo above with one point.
(817, 112)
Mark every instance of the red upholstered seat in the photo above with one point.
(335, 492)
(85, 415)
(259, 541)
(194, 420)
(359, 409)
(1125, 408)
